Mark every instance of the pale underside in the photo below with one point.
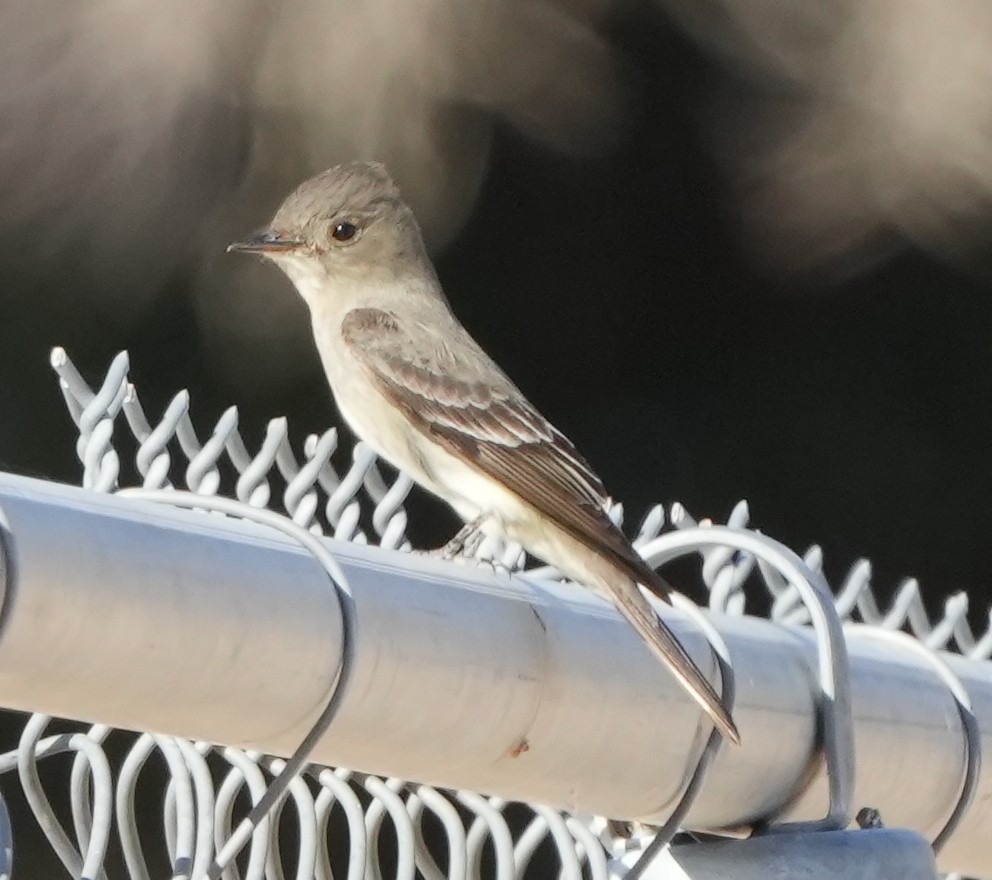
(428, 399)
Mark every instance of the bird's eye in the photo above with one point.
(344, 232)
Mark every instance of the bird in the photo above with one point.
(411, 382)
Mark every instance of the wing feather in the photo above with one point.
(471, 408)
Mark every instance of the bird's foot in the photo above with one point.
(472, 546)
(496, 566)
(465, 544)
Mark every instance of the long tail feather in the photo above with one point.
(633, 605)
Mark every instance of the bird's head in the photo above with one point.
(348, 222)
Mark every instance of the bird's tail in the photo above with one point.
(634, 606)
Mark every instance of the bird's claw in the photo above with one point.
(465, 544)
(465, 547)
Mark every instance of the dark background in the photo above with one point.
(850, 409)
(850, 406)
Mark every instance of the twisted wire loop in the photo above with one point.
(431, 833)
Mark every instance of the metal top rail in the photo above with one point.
(462, 678)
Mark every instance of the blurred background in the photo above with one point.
(733, 249)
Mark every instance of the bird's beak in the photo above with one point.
(266, 241)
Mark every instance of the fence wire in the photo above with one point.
(335, 822)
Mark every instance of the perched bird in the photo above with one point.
(413, 384)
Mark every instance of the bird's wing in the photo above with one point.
(473, 410)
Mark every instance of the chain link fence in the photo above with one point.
(338, 822)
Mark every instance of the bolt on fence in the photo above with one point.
(537, 735)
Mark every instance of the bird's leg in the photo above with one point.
(465, 545)
(465, 542)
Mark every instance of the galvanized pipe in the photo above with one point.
(152, 618)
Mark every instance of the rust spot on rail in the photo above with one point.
(520, 747)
